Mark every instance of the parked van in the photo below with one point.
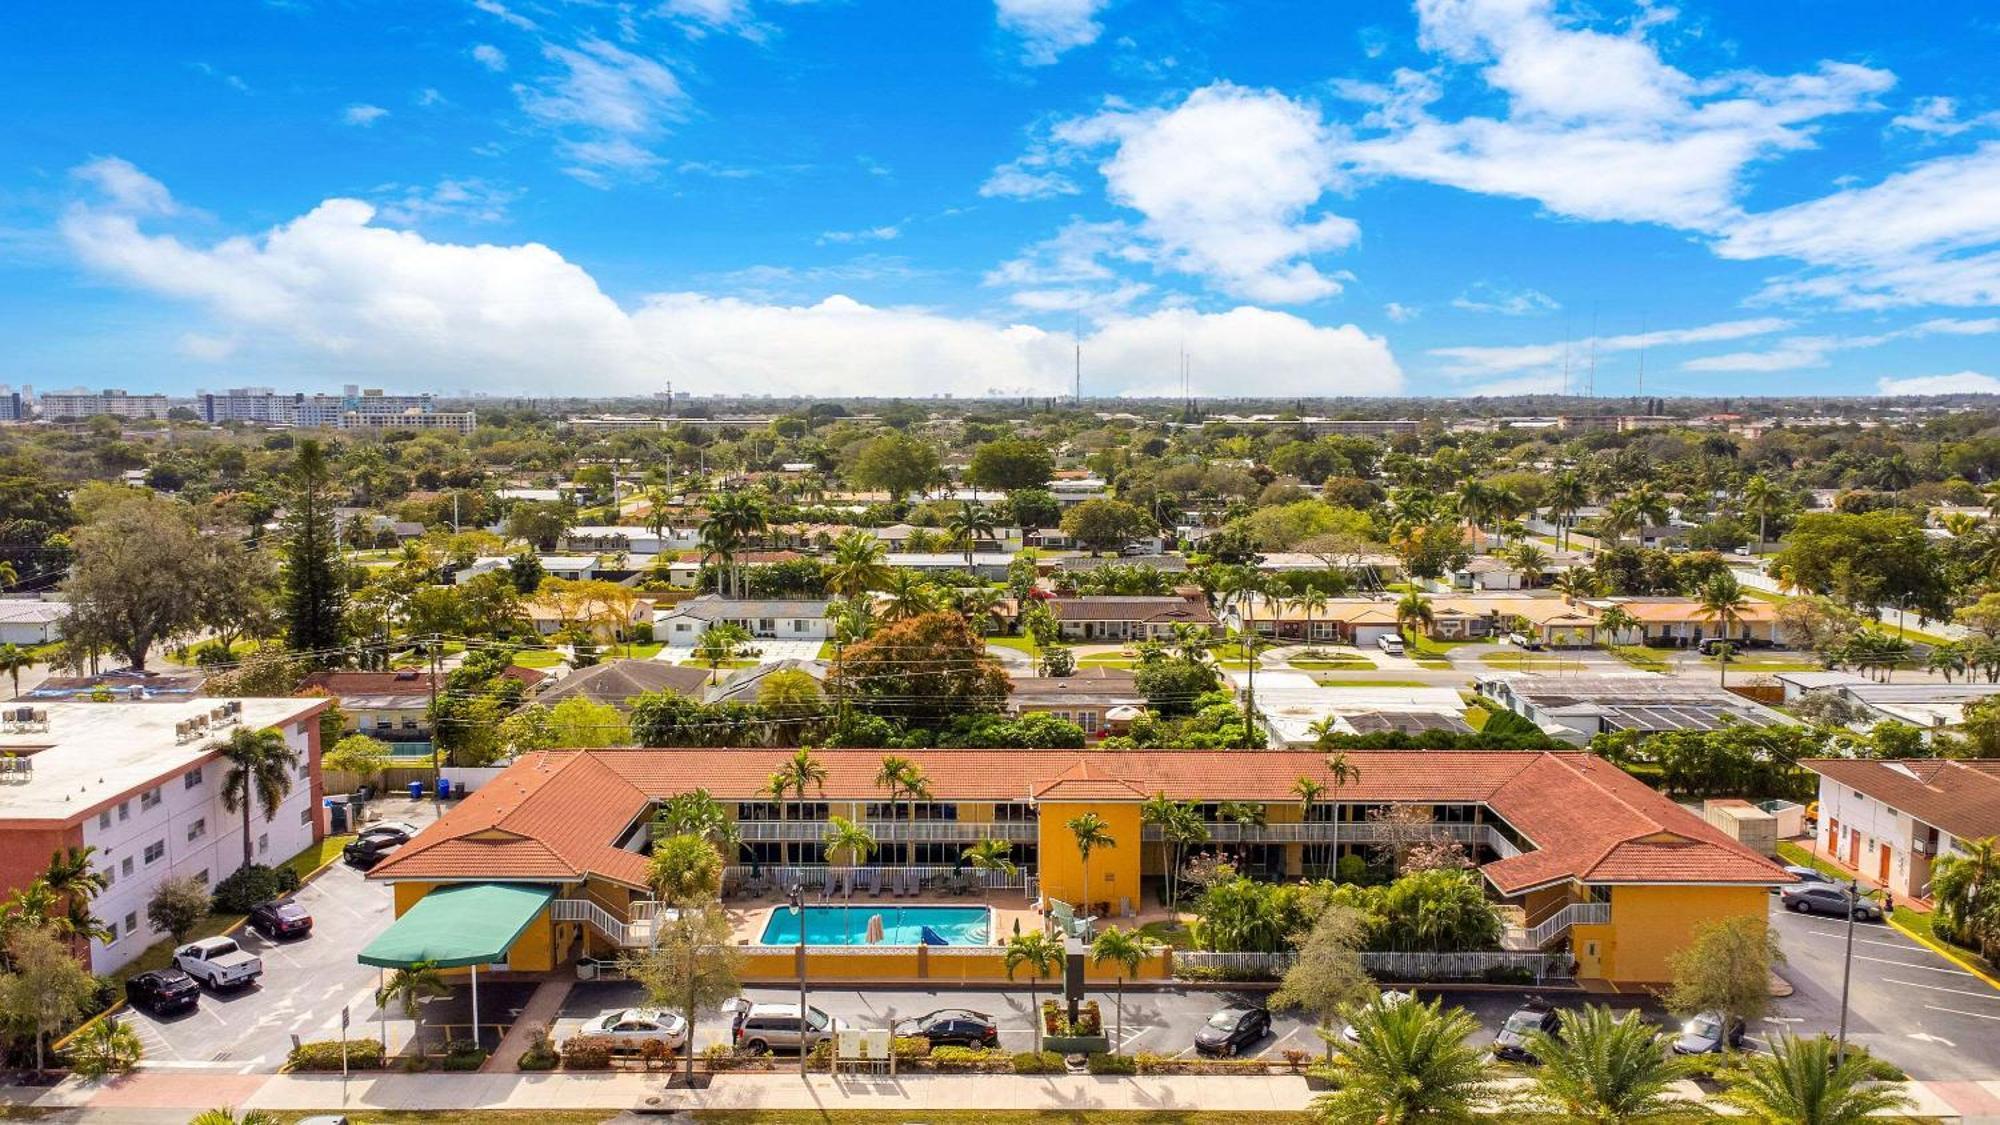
(1390, 643)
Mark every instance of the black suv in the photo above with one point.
(163, 992)
(1512, 1042)
(280, 918)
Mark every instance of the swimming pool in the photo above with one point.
(834, 924)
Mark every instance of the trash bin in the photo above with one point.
(444, 789)
(416, 790)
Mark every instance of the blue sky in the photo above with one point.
(885, 197)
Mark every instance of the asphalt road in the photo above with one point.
(1906, 1003)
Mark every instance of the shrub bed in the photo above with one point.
(1148, 1062)
(1089, 1020)
(581, 1053)
(1113, 1064)
(324, 1054)
(1044, 1062)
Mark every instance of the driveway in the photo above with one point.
(1906, 1004)
(769, 651)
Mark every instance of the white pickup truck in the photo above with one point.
(219, 963)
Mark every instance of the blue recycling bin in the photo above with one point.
(444, 789)
(416, 790)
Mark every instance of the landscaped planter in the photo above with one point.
(1076, 1044)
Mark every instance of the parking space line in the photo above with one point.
(1912, 965)
(1841, 935)
(1958, 1012)
(1941, 988)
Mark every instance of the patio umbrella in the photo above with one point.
(875, 929)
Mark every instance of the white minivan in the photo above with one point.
(1390, 643)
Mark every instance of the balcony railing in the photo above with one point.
(1559, 923)
(890, 831)
(1363, 832)
(884, 881)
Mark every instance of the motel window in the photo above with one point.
(191, 778)
(124, 810)
(756, 810)
(155, 852)
(149, 800)
(202, 876)
(1014, 812)
(197, 830)
(126, 867)
(104, 819)
(933, 810)
(409, 724)
(131, 923)
(767, 624)
(306, 815)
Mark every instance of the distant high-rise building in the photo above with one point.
(81, 403)
(261, 405)
(13, 406)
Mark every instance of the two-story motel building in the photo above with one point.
(1599, 865)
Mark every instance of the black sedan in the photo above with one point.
(1512, 1042)
(1232, 1029)
(163, 992)
(368, 851)
(280, 918)
(953, 1027)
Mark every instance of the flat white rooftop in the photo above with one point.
(95, 752)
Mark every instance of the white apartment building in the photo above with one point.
(1888, 820)
(80, 403)
(141, 784)
(260, 405)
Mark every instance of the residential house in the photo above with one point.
(788, 619)
(617, 682)
(1680, 622)
(143, 785)
(746, 685)
(1549, 620)
(1889, 820)
(1100, 700)
(1498, 572)
(687, 571)
(31, 621)
(1117, 617)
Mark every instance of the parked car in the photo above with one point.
(163, 992)
(401, 830)
(1805, 875)
(1828, 898)
(633, 1028)
(281, 918)
(1390, 643)
(1523, 640)
(1512, 1042)
(219, 963)
(953, 1027)
(1232, 1029)
(758, 1027)
(365, 852)
(1702, 1035)
(1390, 999)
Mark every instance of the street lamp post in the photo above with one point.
(1846, 967)
(795, 902)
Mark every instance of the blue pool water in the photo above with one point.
(901, 925)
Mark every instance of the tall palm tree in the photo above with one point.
(73, 876)
(1311, 602)
(698, 813)
(1574, 584)
(1340, 773)
(1127, 950)
(859, 564)
(260, 772)
(968, 525)
(1614, 622)
(846, 838)
(1604, 1068)
(1530, 561)
(1965, 885)
(1308, 792)
(1801, 1083)
(1762, 499)
(1090, 832)
(1621, 517)
(1411, 1061)
(14, 660)
(1476, 503)
(797, 772)
(902, 778)
(1722, 599)
(1650, 505)
(1038, 952)
(1566, 497)
(1413, 611)
(409, 987)
(991, 856)
(777, 787)
(907, 594)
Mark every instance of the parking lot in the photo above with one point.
(1907, 1003)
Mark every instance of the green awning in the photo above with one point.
(458, 925)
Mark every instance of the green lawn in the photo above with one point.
(1107, 662)
(1019, 644)
(826, 649)
(318, 855)
(1476, 716)
(1639, 656)
(635, 651)
(1923, 926)
(539, 658)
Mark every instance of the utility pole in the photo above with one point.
(437, 726)
(1847, 969)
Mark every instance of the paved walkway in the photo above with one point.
(1947, 1101)
(538, 1014)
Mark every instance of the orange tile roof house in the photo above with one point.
(1590, 855)
(1119, 617)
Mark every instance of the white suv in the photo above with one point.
(758, 1028)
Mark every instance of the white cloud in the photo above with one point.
(1401, 313)
(490, 57)
(504, 14)
(333, 291)
(1939, 117)
(210, 349)
(468, 200)
(1049, 27)
(1509, 359)
(1597, 126)
(1487, 298)
(363, 114)
(1960, 383)
(430, 96)
(1027, 178)
(883, 233)
(1796, 352)
(126, 186)
(1227, 182)
(608, 103)
(700, 17)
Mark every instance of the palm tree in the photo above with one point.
(1965, 885)
(105, 1046)
(799, 771)
(1409, 1062)
(846, 838)
(14, 660)
(1649, 505)
(1614, 622)
(1531, 561)
(1340, 773)
(1566, 496)
(1125, 949)
(1723, 600)
(991, 856)
(719, 541)
(1574, 584)
(858, 564)
(1476, 503)
(1761, 498)
(411, 986)
(907, 594)
(1091, 832)
(718, 645)
(1311, 602)
(1041, 953)
(698, 813)
(902, 778)
(971, 523)
(1620, 518)
(227, 1115)
(1807, 1082)
(1308, 792)
(1413, 610)
(261, 768)
(1604, 1068)
(72, 875)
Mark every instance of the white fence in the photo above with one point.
(1397, 967)
(1363, 832)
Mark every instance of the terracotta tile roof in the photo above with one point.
(1674, 610)
(1583, 818)
(1962, 798)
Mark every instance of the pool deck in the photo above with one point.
(748, 917)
